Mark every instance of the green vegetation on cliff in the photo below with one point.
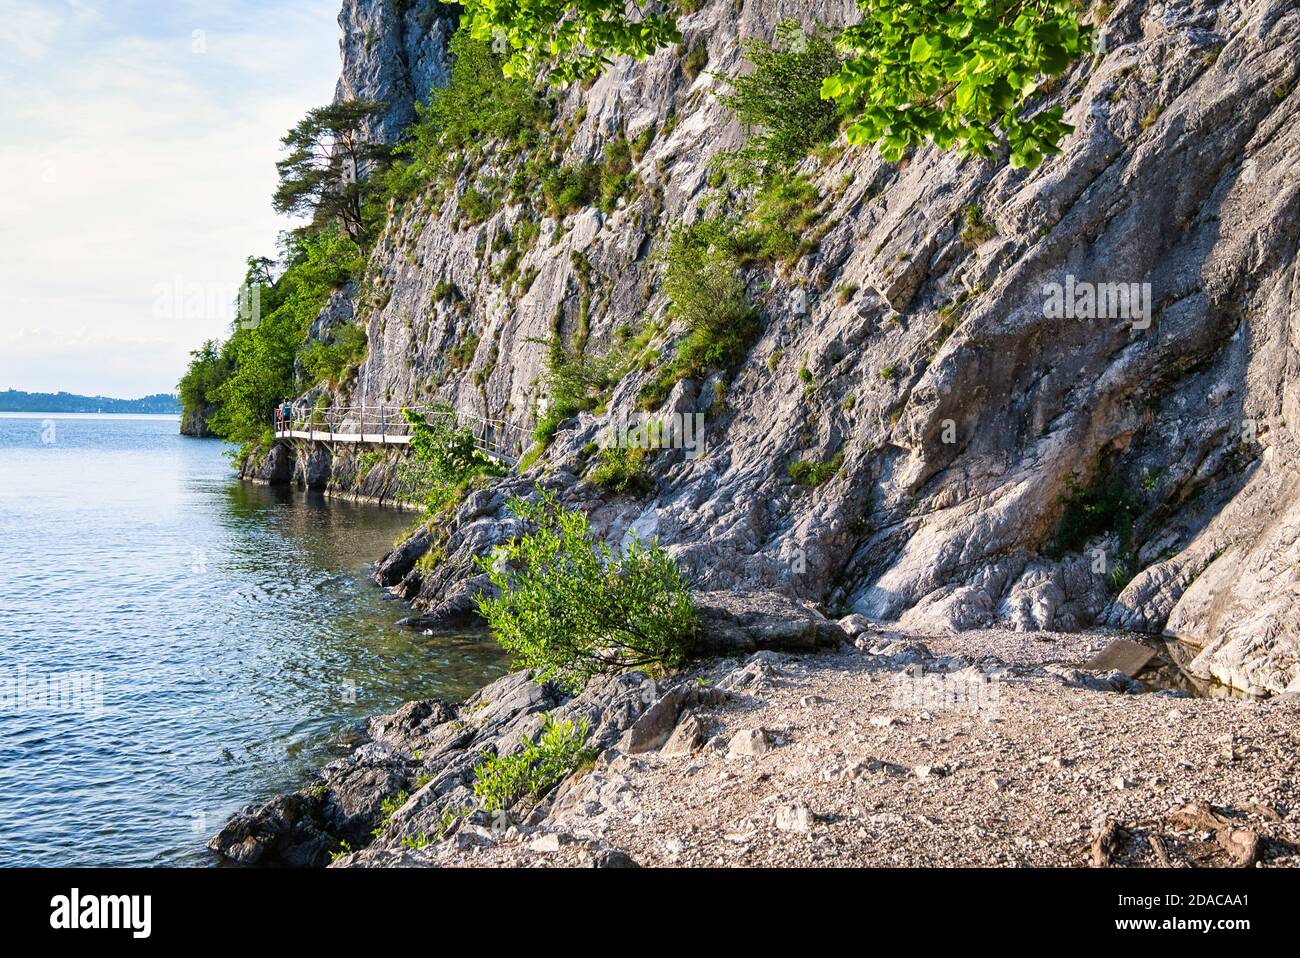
(445, 459)
(256, 368)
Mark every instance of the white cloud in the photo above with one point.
(132, 161)
(26, 30)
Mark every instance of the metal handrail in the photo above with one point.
(383, 424)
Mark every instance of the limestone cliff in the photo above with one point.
(913, 345)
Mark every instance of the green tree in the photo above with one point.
(570, 40)
(208, 369)
(335, 361)
(327, 172)
(261, 355)
(955, 72)
(780, 100)
(570, 608)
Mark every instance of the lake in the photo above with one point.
(175, 643)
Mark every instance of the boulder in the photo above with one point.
(734, 623)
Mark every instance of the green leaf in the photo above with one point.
(965, 94)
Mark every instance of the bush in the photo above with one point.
(573, 382)
(530, 773)
(1103, 509)
(974, 228)
(781, 99)
(476, 206)
(567, 189)
(569, 608)
(335, 362)
(778, 228)
(622, 470)
(445, 460)
(462, 354)
(616, 177)
(704, 288)
(695, 60)
(811, 473)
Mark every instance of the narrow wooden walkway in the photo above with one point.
(386, 426)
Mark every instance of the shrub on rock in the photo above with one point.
(570, 608)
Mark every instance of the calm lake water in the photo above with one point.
(212, 641)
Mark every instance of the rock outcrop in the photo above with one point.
(915, 345)
(417, 769)
(194, 423)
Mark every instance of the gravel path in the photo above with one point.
(965, 750)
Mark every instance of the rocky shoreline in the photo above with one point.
(796, 740)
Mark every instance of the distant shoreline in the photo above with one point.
(159, 404)
(56, 414)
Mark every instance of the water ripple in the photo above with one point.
(233, 628)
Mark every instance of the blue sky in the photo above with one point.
(138, 141)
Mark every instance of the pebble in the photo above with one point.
(550, 842)
(797, 817)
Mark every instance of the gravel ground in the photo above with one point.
(908, 757)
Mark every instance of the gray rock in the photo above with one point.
(1113, 681)
(689, 736)
(398, 563)
(750, 742)
(614, 858)
(656, 724)
(546, 844)
(794, 818)
(854, 625)
(732, 623)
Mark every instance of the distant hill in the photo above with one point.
(12, 400)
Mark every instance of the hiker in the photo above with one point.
(285, 414)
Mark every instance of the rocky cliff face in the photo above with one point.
(394, 52)
(195, 423)
(917, 345)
